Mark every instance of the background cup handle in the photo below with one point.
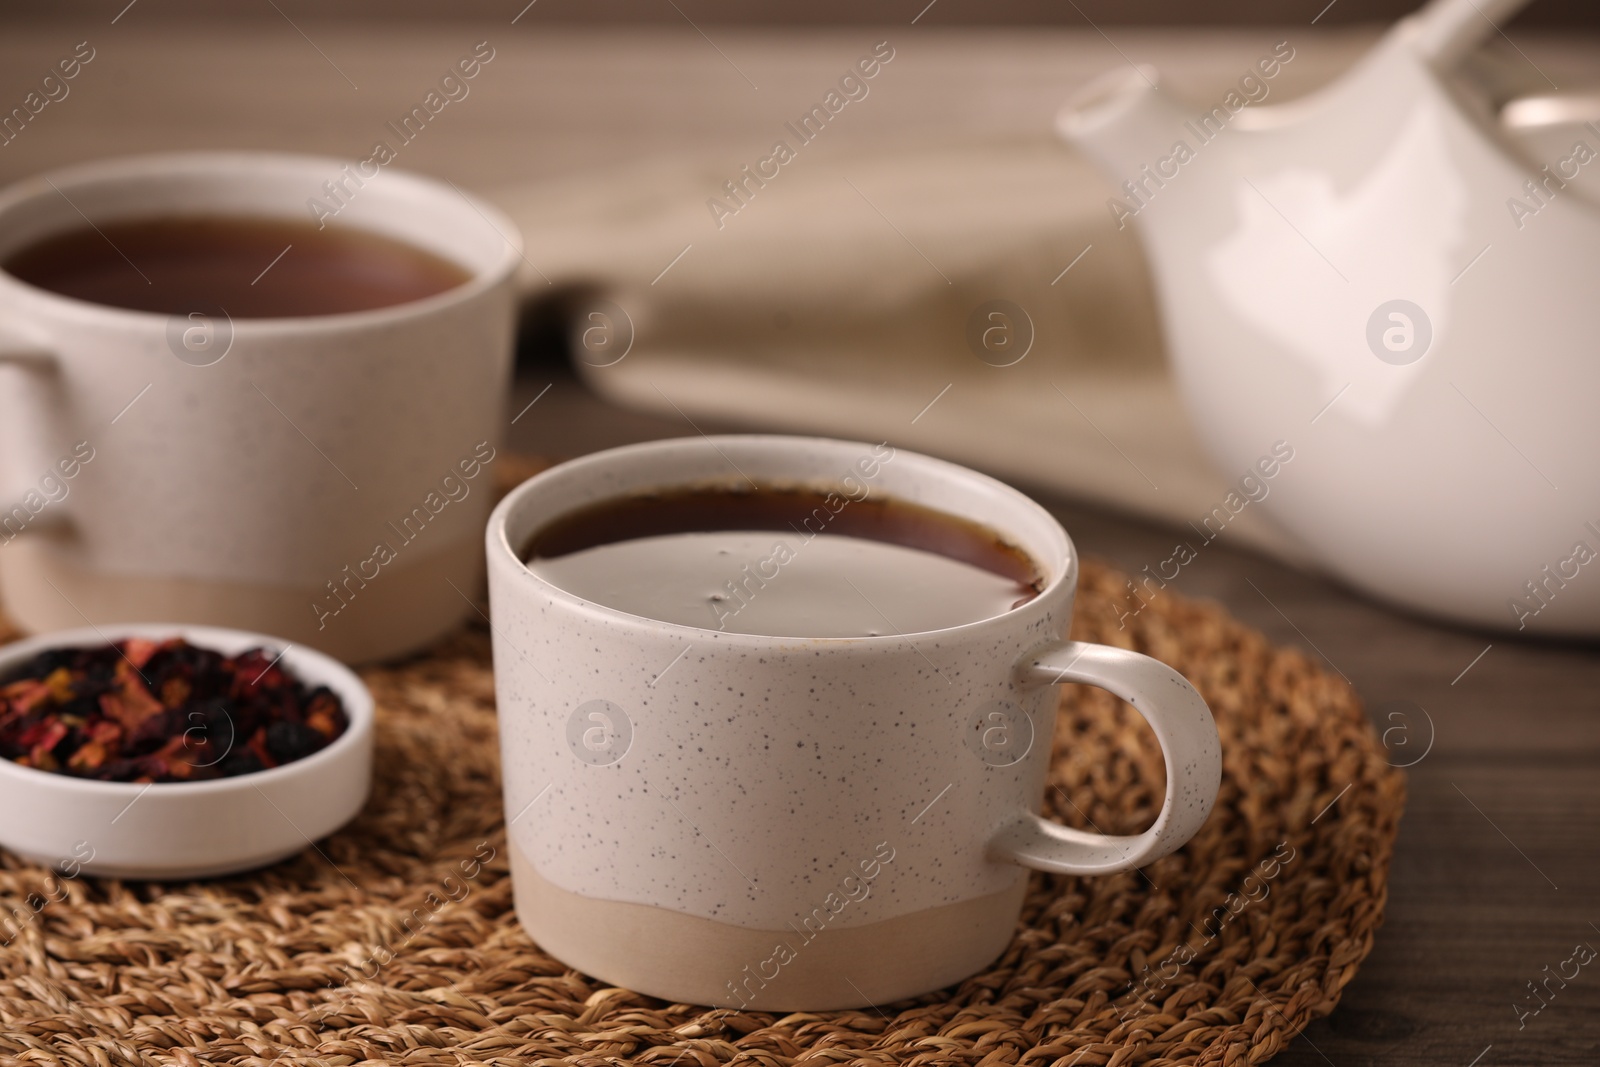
(1189, 744)
(27, 384)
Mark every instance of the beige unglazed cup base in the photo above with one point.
(402, 610)
(721, 965)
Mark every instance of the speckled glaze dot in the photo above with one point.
(762, 769)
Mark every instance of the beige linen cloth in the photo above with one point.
(849, 296)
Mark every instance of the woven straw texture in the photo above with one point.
(1220, 953)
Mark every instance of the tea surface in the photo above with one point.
(253, 268)
(784, 562)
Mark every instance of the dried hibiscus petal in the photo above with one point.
(161, 711)
(138, 650)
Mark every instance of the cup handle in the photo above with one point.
(1189, 744)
(26, 372)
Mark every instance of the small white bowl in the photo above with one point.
(177, 830)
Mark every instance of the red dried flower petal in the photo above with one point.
(27, 694)
(140, 649)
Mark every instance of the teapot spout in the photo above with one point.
(1121, 120)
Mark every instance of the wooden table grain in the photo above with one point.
(1497, 871)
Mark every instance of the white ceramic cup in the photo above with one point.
(245, 473)
(799, 824)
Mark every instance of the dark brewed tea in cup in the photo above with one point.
(785, 561)
(252, 268)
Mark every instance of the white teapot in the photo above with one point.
(1396, 275)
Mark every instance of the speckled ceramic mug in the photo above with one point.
(319, 478)
(799, 824)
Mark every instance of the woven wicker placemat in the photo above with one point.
(394, 941)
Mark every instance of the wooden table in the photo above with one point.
(1497, 872)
